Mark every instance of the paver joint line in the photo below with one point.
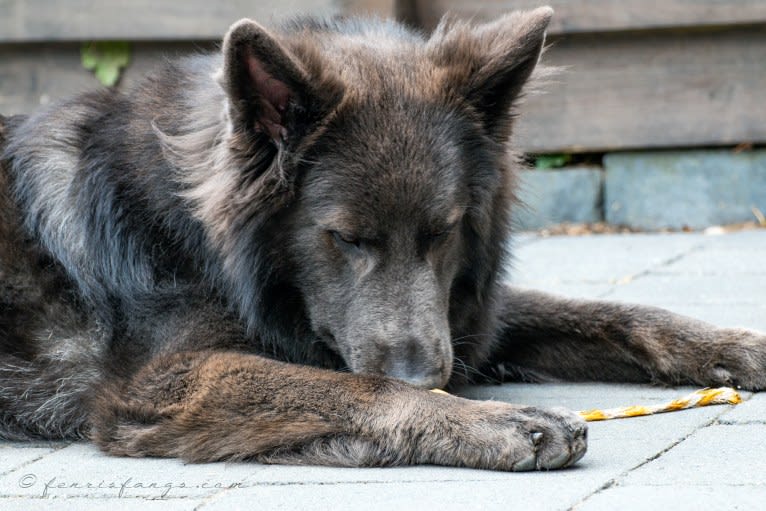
(615, 481)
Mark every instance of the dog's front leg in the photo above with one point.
(208, 406)
(548, 337)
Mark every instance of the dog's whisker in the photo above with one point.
(460, 341)
(467, 369)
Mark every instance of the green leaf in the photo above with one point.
(106, 59)
(552, 161)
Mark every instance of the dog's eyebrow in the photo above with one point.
(335, 217)
(443, 225)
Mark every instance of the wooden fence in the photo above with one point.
(637, 73)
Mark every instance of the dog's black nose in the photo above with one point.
(417, 363)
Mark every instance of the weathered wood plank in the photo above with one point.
(577, 16)
(381, 8)
(620, 91)
(666, 89)
(51, 20)
(34, 75)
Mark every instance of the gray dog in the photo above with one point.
(271, 253)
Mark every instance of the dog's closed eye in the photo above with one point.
(436, 237)
(347, 242)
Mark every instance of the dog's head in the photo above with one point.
(388, 177)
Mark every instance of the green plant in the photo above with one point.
(552, 161)
(106, 59)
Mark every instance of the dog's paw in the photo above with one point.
(551, 438)
(738, 360)
(499, 436)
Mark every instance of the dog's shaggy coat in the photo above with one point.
(334, 194)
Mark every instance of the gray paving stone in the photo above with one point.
(683, 498)
(749, 240)
(598, 259)
(447, 496)
(96, 504)
(492, 495)
(82, 470)
(663, 289)
(13, 457)
(652, 190)
(721, 260)
(751, 411)
(279, 474)
(555, 196)
(733, 454)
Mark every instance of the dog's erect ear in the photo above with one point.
(489, 64)
(271, 90)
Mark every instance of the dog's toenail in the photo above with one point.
(528, 463)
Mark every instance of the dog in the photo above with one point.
(273, 252)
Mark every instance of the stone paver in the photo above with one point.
(652, 190)
(719, 454)
(12, 457)
(563, 195)
(710, 458)
(93, 504)
(598, 259)
(753, 413)
(677, 498)
(82, 470)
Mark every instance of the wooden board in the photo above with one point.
(620, 91)
(667, 89)
(577, 16)
(37, 74)
(73, 20)
(380, 8)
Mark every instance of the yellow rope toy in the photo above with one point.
(702, 397)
